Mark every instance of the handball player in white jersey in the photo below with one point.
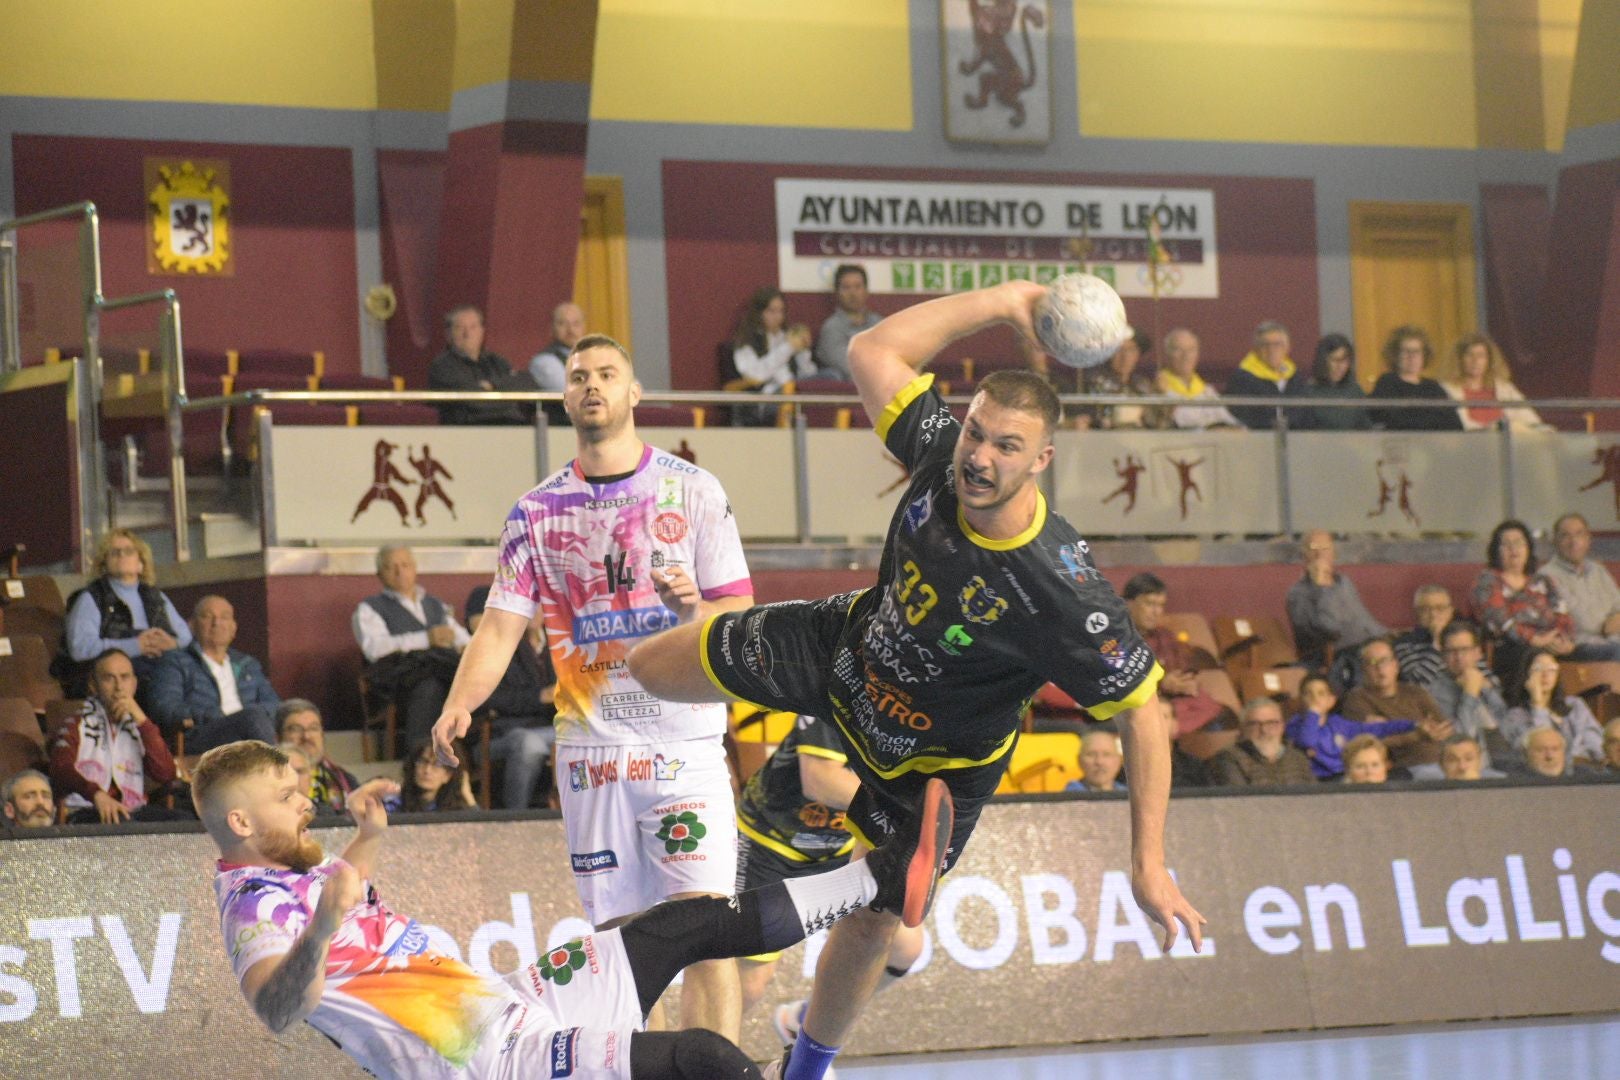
(623, 542)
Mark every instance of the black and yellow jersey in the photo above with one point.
(774, 810)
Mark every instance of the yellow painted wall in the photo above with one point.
(1559, 31)
(782, 63)
(415, 53)
(1595, 88)
(1387, 72)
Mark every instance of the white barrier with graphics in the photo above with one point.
(1167, 482)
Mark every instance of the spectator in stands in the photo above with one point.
(1546, 754)
(1266, 372)
(1101, 758)
(1120, 376)
(1418, 650)
(121, 609)
(850, 318)
(111, 759)
(464, 365)
(1588, 591)
(299, 722)
(1381, 695)
(1145, 596)
(768, 353)
(1465, 692)
(1178, 377)
(301, 764)
(1324, 607)
(1519, 608)
(1322, 733)
(1482, 377)
(1366, 760)
(1407, 353)
(1611, 746)
(411, 642)
(28, 801)
(521, 734)
(1462, 758)
(1260, 758)
(427, 785)
(217, 694)
(1333, 377)
(549, 367)
(1538, 703)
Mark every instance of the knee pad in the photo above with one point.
(701, 1054)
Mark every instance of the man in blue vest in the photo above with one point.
(411, 642)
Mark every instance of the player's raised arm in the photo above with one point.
(884, 359)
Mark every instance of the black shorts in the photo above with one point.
(791, 657)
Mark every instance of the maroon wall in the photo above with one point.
(720, 245)
(292, 229)
(39, 474)
(411, 195)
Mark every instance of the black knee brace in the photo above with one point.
(695, 1054)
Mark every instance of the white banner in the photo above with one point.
(1394, 483)
(1166, 483)
(940, 238)
(1554, 474)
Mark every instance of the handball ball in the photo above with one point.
(1081, 320)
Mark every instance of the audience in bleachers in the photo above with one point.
(1332, 377)
(1519, 608)
(1537, 702)
(1260, 757)
(1466, 692)
(1145, 597)
(411, 642)
(120, 609)
(1611, 746)
(767, 353)
(1324, 607)
(426, 784)
(1381, 695)
(849, 318)
(1366, 760)
(1267, 371)
(1178, 376)
(1481, 378)
(1121, 375)
(521, 709)
(1546, 754)
(28, 801)
(1587, 588)
(1462, 758)
(298, 722)
(215, 693)
(549, 367)
(110, 760)
(1407, 353)
(464, 365)
(1321, 732)
(1101, 759)
(1418, 650)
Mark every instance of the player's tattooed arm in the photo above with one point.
(284, 990)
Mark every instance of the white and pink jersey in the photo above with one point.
(582, 553)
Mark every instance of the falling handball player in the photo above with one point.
(983, 596)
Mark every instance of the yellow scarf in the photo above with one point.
(1171, 383)
(1260, 370)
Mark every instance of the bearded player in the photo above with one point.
(983, 595)
(310, 939)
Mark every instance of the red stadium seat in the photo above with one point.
(404, 414)
(691, 416)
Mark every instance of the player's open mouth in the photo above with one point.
(976, 481)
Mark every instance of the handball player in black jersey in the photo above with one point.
(983, 596)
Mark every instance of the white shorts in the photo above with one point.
(576, 1024)
(647, 822)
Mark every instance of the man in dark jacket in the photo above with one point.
(1266, 372)
(464, 365)
(217, 693)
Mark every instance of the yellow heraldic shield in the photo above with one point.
(190, 211)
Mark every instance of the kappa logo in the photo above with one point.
(1096, 622)
(918, 511)
(979, 601)
(564, 1052)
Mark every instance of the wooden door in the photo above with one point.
(601, 267)
(1410, 263)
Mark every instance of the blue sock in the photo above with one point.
(809, 1060)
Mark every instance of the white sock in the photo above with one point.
(823, 899)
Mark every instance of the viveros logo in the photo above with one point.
(592, 862)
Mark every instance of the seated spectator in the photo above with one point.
(111, 758)
(217, 694)
(428, 785)
(1587, 589)
(121, 609)
(411, 643)
(1519, 608)
(464, 365)
(1418, 650)
(521, 734)
(1333, 377)
(301, 764)
(1537, 703)
(1178, 376)
(1321, 733)
(1407, 353)
(1611, 746)
(549, 366)
(1120, 376)
(1466, 692)
(1462, 758)
(1145, 597)
(28, 801)
(1366, 760)
(1101, 759)
(1324, 607)
(1482, 378)
(850, 318)
(1260, 758)
(767, 353)
(299, 722)
(1380, 695)
(1266, 372)
(1546, 755)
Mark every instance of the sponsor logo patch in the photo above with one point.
(564, 1051)
(669, 527)
(593, 862)
(681, 832)
(579, 777)
(955, 640)
(559, 965)
(918, 511)
(1096, 622)
(669, 492)
(626, 623)
(979, 601)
